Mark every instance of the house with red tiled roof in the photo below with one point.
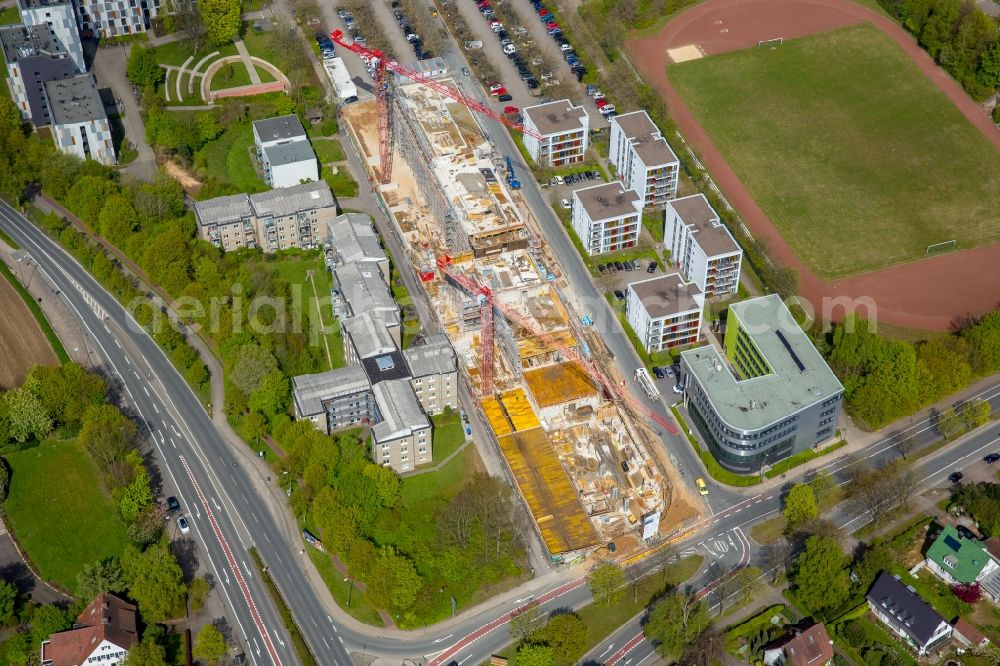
(103, 634)
(968, 635)
(801, 647)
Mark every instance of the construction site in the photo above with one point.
(590, 469)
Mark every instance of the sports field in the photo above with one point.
(858, 159)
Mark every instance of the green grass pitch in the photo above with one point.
(858, 159)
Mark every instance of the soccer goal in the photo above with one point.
(940, 248)
(770, 43)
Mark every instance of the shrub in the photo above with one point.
(4, 479)
(855, 634)
(970, 594)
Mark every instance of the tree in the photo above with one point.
(976, 413)
(989, 66)
(522, 623)
(189, 23)
(118, 218)
(67, 391)
(210, 644)
(198, 593)
(27, 416)
(394, 581)
(137, 495)
(566, 634)
(947, 360)
(776, 557)
(271, 395)
(98, 578)
(984, 344)
(706, 649)
(10, 117)
(108, 436)
(822, 484)
(8, 601)
(948, 424)
(675, 621)
(208, 126)
(143, 69)
(386, 483)
(147, 525)
(970, 594)
(875, 559)
(605, 579)
(146, 653)
(248, 365)
(800, 505)
(535, 655)
(221, 19)
(821, 581)
(746, 583)
(155, 581)
(47, 620)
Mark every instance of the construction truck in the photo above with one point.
(646, 382)
(341, 79)
(512, 180)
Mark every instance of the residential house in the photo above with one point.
(643, 160)
(957, 560)
(800, 647)
(103, 634)
(564, 129)
(701, 246)
(606, 218)
(79, 124)
(284, 151)
(664, 312)
(60, 18)
(900, 608)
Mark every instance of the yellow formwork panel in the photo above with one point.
(548, 491)
(519, 410)
(559, 383)
(494, 414)
(531, 346)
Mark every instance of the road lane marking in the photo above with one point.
(146, 390)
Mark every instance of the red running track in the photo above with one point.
(929, 294)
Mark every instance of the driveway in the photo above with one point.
(109, 68)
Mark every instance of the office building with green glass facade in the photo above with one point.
(771, 396)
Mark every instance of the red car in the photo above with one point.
(602, 103)
(499, 91)
(551, 25)
(511, 109)
(543, 12)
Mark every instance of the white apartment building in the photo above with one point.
(33, 55)
(564, 129)
(113, 18)
(701, 246)
(664, 312)
(643, 159)
(79, 125)
(58, 15)
(606, 217)
(284, 151)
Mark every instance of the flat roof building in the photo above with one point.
(284, 151)
(606, 217)
(664, 312)
(701, 246)
(282, 129)
(564, 129)
(643, 160)
(351, 239)
(402, 437)
(59, 16)
(434, 373)
(770, 397)
(34, 55)
(274, 220)
(79, 124)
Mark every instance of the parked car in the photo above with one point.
(602, 269)
(966, 533)
(619, 295)
(955, 477)
(565, 203)
(657, 372)
(619, 266)
(465, 71)
(182, 523)
(497, 89)
(173, 506)
(629, 266)
(511, 109)
(591, 89)
(602, 103)
(992, 458)
(509, 49)
(608, 109)
(651, 268)
(505, 98)
(678, 389)
(559, 180)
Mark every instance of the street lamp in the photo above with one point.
(350, 590)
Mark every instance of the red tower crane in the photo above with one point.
(487, 302)
(382, 107)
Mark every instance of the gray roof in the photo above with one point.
(309, 391)
(365, 291)
(646, 138)
(556, 117)
(26, 4)
(223, 210)
(353, 237)
(369, 336)
(399, 409)
(751, 404)
(20, 41)
(434, 357)
(912, 615)
(666, 295)
(290, 200)
(607, 201)
(385, 367)
(74, 101)
(289, 153)
(709, 232)
(280, 128)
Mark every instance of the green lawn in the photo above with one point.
(293, 271)
(842, 140)
(265, 76)
(449, 433)
(176, 53)
(59, 511)
(341, 183)
(228, 159)
(328, 150)
(10, 16)
(341, 589)
(232, 75)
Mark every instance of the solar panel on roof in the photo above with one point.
(784, 341)
(952, 543)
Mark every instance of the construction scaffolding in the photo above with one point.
(417, 151)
